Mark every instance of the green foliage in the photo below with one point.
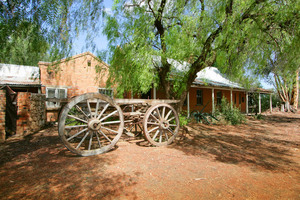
(31, 31)
(26, 46)
(183, 120)
(232, 35)
(230, 115)
(259, 117)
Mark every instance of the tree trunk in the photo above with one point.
(295, 91)
(287, 106)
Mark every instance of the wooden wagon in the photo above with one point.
(93, 123)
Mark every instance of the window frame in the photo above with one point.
(199, 97)
(105, 93)
(219, 98)
(56, 95)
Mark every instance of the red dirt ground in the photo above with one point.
(256, 160)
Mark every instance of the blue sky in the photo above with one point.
(101, 43)
(100, 40)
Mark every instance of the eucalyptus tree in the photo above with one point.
(31, 30)
(145, 36)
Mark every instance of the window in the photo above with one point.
(108, 92)
(199, 97)
(219, 97)
(185, 102)
(240, 98)
(234, 98)
(59, 93)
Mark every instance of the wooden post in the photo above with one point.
(213, 99)
(132, 108)
(271, 107)
(259, 103)
(188, 104)
(247, 103)
(154, 92)
(231, 104)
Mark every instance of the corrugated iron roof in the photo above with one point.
(19, 75)
(208, 76)
(212, 76)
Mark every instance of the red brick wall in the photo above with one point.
(75, 74)
(79, 74)
(207, 99)
(23, 103)
(2, 114)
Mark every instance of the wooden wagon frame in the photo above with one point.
(92, 123)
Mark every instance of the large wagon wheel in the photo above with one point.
(161, 124)
(90, 124)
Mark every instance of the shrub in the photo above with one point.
(230, 115)
(183, 120)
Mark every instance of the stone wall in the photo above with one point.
(37, 116)
(31, 112)
(2, 114)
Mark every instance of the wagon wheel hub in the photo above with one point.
(94, 124)
(164, 124)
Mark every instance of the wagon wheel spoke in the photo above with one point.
(160, 136)
(78, 108)
(155, 135)
(104, 109)
(90, 124)
(154, 117)
(71, 116)
(161, 124)
(82, 131)
(105, 136)
(82, 140)
(171, 119)
(166, 134)
(168, 114)
(91, 140)
(75, 126)
(153, 129)
(98, 139)
(97, 107)
(89, 107)
(152, 123)
(112, 122)
(170, 131)
(157, 111)
(107, 116)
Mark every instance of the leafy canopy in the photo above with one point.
(231, 35)
(31, 30)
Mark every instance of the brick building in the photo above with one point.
(209, 88)
(71, 77)
(22, 108)
(86, 73)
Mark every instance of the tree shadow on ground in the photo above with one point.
(40, 167)
(253, 144)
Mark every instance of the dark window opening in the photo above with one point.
(108, 92)
(199, 96)
(89, 63)
(234, 98)
(219, 97)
